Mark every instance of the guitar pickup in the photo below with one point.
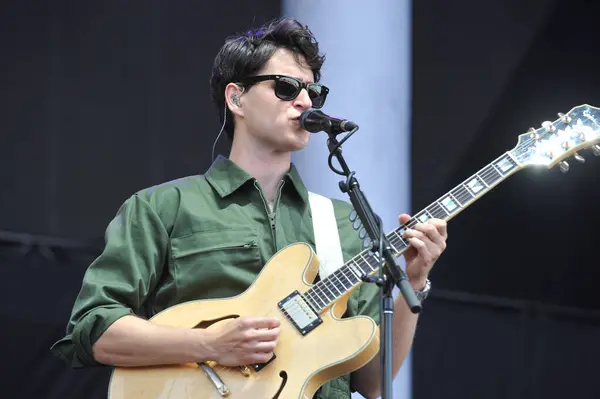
(299, 312)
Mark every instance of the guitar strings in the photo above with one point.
(318, 293)
(395, 239)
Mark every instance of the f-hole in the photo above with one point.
(208, 323)
(283, 376)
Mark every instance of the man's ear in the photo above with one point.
(233, 98)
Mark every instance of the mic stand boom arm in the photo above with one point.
(394, 275)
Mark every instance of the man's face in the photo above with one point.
(272, 121)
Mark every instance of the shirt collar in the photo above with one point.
(226, 177)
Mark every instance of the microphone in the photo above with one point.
(315, 121)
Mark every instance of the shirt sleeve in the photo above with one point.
(118, 282)
(365, 301)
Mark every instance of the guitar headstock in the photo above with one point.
(555, 141)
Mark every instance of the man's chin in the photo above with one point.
(296, 141)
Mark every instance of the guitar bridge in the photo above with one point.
(299, 313)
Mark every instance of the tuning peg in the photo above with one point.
(564, 166)
(579, 158)
(534, 135)
(565, 145)
(596, 150)
(548, 126)
(565, 118)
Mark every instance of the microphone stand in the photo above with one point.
(393, 275)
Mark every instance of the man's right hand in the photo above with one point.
(242, 341)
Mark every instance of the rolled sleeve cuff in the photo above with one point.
(76, 347)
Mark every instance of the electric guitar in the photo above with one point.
(309, 351)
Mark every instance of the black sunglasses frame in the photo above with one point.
(324, 90)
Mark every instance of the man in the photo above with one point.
(208, 236)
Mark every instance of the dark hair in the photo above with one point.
(245, 54)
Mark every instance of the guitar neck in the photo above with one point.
(460, 197)
(446, 207)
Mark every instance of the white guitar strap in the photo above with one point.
(327, 238)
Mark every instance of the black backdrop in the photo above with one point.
(102, 98)
(484, 73)
(516, 310)
(99, 99)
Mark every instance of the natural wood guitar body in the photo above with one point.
(303, 362)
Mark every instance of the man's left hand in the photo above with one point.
(427, 242)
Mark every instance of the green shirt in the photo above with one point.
(161, 242)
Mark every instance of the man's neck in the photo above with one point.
(267, 166)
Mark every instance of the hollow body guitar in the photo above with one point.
(315, 344)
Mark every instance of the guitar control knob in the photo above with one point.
(564, 166)
(596, 150)
(579, 158)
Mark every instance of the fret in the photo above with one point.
(355, 268)
(320, 301)
(400, 243)
(496, 169)
(343, 279)
(437, 211)
(310, 301)
(505, 164)
(368, 264)
(449, 204)
(423, 216)
(476, 185)
(490, 175)
(333, 295)
(329, 282)
(396, 237)
(308, 298)
(393, 247)
(462, 194)
(373, 261)
(356, 278)
(349, 275)
(338, 277)
(322, 295)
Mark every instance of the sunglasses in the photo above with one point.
(287, 88)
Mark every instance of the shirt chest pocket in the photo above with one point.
(215, 264)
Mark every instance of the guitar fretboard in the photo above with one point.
(328, 290)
